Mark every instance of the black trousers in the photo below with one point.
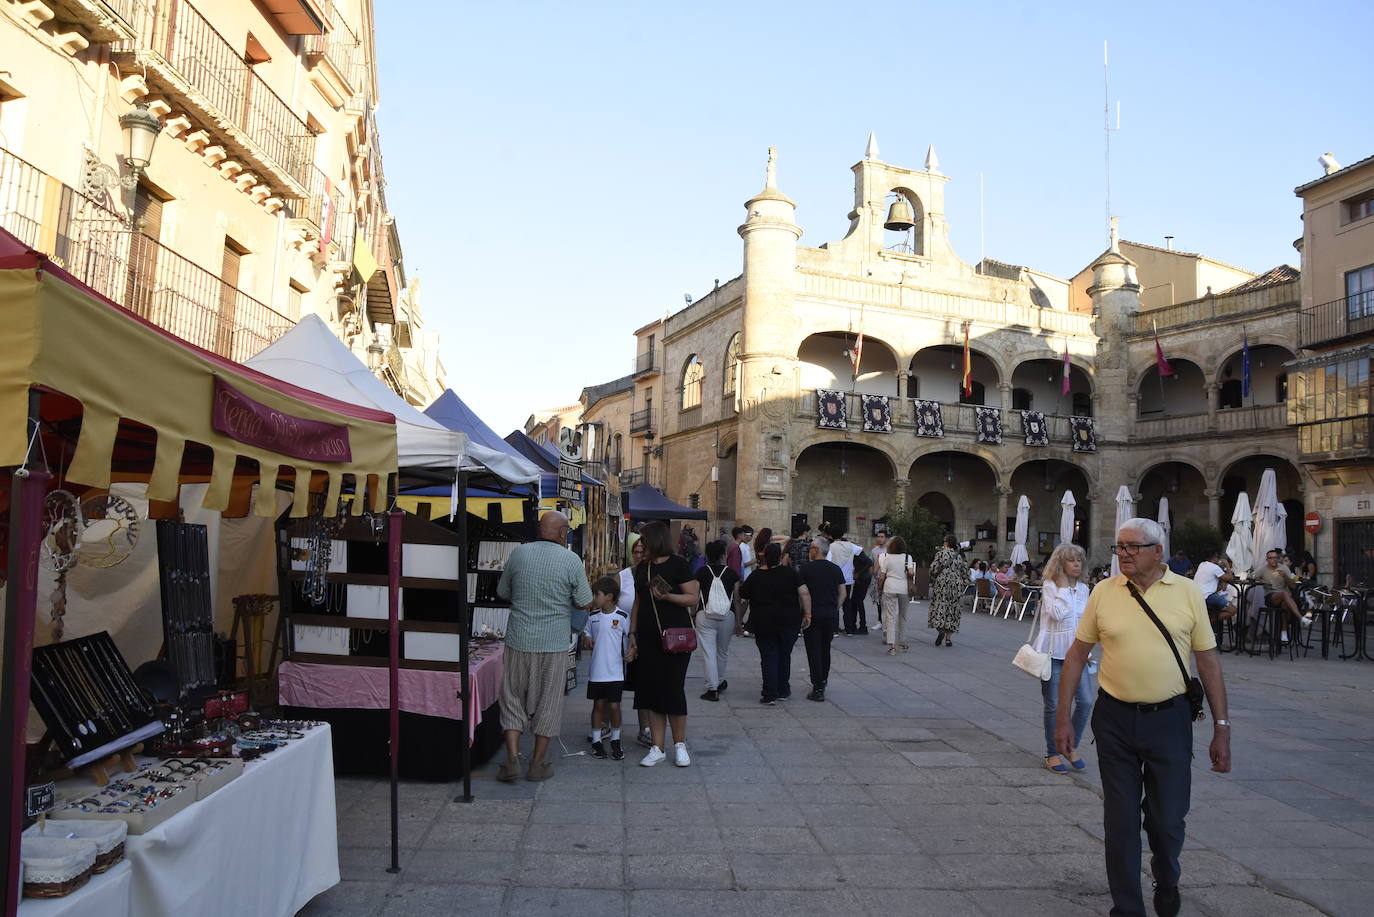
(1146, 760)
(775, 661)
(855, 615)
(818, 638)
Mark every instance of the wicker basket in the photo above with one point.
(56, 866)
(107, 835)
(103, 861)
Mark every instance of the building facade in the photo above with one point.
(264, 198)
(1330, 408)
(748, 380)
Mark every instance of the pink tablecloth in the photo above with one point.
(360, 687)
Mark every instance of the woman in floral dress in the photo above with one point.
(948, 578)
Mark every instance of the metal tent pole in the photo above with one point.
(27, 490)
(393, 570)
(464, 634)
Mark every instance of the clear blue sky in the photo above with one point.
(562, 173)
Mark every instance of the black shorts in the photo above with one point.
(605, 690)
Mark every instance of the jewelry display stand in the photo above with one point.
(88, 699)
(188, 624)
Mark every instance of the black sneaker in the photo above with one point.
(644, 738)
(598, 749)
(617, 753)
(768, 701)
(711, 694)
(722, 686)
(817, 695)
(1168, 901)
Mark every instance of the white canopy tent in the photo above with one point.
(1165, 525)
(311, 357)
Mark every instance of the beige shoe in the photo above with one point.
(509, 771)
(539, 772)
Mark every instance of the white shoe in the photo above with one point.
(680, 756)
(654, 756)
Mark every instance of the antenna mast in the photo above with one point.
(1107, 131)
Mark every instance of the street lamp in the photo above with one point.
(141, 128)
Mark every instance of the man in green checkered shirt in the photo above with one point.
(543, 581)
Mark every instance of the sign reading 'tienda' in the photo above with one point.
(241, 418)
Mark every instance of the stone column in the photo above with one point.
(899, 486)
(902, 377)
(1213, 404)
(1003, 495)
(1213, 507)
(1005, 389)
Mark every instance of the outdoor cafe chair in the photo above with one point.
(984, 594)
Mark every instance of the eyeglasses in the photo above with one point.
(1131, 550)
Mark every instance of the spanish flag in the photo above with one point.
(968, 365)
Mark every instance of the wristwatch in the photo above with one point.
(1222, 722)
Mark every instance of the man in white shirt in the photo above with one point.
(1210, 578)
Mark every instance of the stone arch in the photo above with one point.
(1184, 392)
(968, 479)
(912, 241)
(1242, 471)
(824, 361)
(930, 446)
(1182, 481)
(1030, 476)
(930, 376)
(1156, 461)
(831, 475)
(730, 366)
(1041, 378)
(1266, 369)
(879, 444)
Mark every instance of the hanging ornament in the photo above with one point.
(62, 526)
(59, 607)
(111, 531)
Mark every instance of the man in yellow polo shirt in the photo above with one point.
(1142, 721)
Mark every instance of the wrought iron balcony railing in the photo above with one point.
(646, 363)
(100, 249)
(642, 421)
(1338, 320)
(631, 478)
(340, 47)
(178, 49)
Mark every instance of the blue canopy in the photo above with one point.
(450, 411)
(647, 502)
(547, 460)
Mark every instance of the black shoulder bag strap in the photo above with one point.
(1192, 687)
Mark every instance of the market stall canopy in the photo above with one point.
(451, 411)
(546, 458)
(146, 399)
(310, 356)
(647, 502)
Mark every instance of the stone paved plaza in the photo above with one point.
(916, 788)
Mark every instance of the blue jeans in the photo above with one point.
(1082, 705)
(775, 659)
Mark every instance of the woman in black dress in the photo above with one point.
(779, 609)
(661, 677)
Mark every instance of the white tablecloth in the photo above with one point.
(106, 895)
(265, 844)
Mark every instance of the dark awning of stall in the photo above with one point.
(646, 503)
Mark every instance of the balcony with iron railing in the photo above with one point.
(642, 421)
(179, 54)
(341, 53)
(131, 268)
(631, 478)
(1338, 321)
(98, 21)
(1273, 298)
(645, 364)
(322, 208)
(595, 470)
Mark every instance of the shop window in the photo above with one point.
(692, 377)
(1021, 399)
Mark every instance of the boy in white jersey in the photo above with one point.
(607, 636)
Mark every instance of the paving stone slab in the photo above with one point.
(415, 900)
(680, 870)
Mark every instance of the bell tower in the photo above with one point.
(770, 235)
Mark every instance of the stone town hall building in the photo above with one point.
(721, 411)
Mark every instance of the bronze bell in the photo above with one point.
(899, 217)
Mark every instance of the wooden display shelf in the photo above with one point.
(380, 579)
(373, 662)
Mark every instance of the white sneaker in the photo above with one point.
(680, 756)
(654, 756)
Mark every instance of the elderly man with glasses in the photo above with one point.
(1142, 721)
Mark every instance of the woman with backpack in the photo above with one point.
(715, 619)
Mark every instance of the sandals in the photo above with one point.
(1060, 768)
(893, 651)
(1076, 761)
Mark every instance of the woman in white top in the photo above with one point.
(893, 568)
(1062, 601)
(625, 603)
